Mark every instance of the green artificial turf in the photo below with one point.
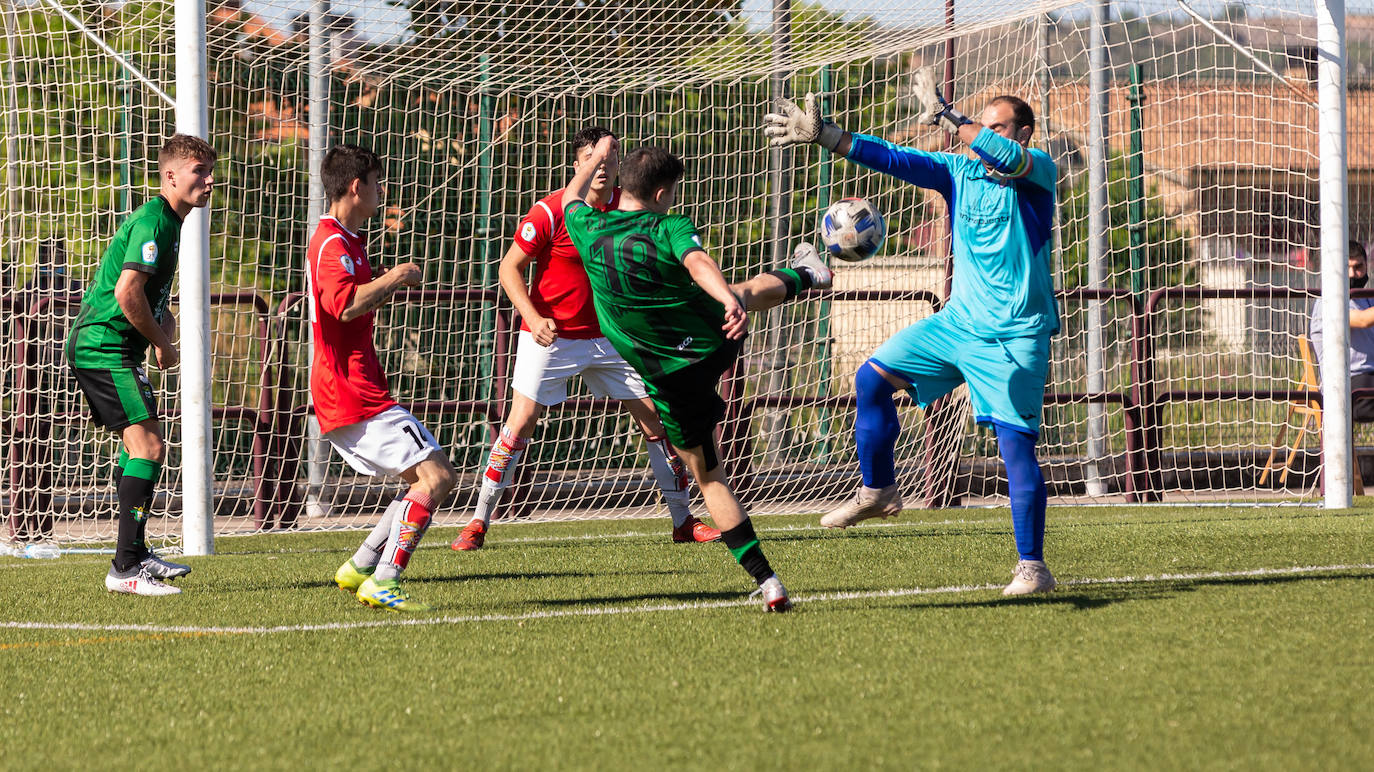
(1210, 669)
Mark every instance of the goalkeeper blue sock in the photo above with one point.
(1026, 484)
(876, 427)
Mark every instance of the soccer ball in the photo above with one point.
(853, 229)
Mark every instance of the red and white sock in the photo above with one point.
(412, 520)
(505, 456)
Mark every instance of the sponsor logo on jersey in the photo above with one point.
(347, 263)
(527, 231)
(685, 343)
(149, 253)
(696, 239)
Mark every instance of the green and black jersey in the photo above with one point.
(102, 337)
(649, 307)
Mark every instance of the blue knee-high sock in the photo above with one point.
(876, 427)
(1027, 488)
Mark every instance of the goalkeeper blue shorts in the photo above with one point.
(1006, 377)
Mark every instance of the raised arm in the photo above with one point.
(581, 183)
(804, 123)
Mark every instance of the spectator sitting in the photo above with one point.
(1361, 334)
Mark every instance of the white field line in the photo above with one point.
(827, 597)
(1004, 519)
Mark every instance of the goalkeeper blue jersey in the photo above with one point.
(1001, 221)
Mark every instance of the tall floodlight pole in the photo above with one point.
(1335, 361)
(1098, 240)
(316, 452)
(197, 442)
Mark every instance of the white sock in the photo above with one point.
(502, 462)
(370, 553)
(487, 499)
(671, 476)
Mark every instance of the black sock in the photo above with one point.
(794, 280)
(135, 493)
(744, 545)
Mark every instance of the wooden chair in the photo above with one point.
(1311, 412)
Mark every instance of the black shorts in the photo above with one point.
(118, 397)
(688, 400)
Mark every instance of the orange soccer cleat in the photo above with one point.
(471, 538)
(694, 531)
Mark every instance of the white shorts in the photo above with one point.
(387, 443)
(542, 372)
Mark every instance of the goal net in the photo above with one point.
(1185, 288)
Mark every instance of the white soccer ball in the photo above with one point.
(853, 229)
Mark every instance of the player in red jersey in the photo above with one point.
(353, 403)
(560, 338)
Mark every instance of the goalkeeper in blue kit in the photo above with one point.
(993, 333)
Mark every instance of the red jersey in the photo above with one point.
(346, 379)
(561, 289)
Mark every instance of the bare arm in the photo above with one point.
(1361, 318)
(707, 275)
(371, 296)
(133, 301)
(512, 273)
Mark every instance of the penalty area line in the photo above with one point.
(827, 597)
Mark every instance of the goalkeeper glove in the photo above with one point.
(935, 111)
(793, 124)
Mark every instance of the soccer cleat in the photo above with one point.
(868, 502)
(1029, 578)
(349, 577)
(137, 581)
(163, 569)
(387, 594)
(693, 530)
(774, 594)
(805, 258)
(472, 537)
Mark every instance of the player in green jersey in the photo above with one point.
(666, 307)
(122, 313)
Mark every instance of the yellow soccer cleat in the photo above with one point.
(349, 577)
(387, 594)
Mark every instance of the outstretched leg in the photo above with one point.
(777, 287)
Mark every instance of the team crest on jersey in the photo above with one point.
(150, 253)
(527, 231)
(347, 263)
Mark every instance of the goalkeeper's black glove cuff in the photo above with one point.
(830, 135)
(954, 116)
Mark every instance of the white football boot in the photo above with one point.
(805, 258)
(774, 594)
(137, 582)
(867, 503)
(1029, 578)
